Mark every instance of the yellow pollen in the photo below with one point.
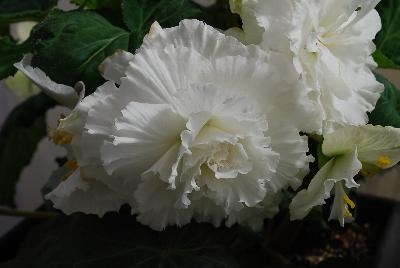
(348, 201)
(384, 161)
(60, 137)
(72, 164)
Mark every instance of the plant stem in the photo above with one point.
(27, 214)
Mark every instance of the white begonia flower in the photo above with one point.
(330, 44)
(200, 127)
(352, 149)
(185, 127)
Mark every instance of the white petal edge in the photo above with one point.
(87, 196)
(341, 168)
(114, 67)
(63, 94)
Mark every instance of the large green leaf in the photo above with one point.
(139, 15)
(383, 61)
(69, 46)
(19, 136)
(23, 10)
(95, 4)
(388, 39)
(220, 16)
(11, 53)
(81, 241)
(387, 110)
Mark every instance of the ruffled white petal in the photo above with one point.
(197, 36)
(114, 67)
(159, 205)
(252, 32)
(253, 217)
(63, 94)
(85, 195)
(146, 138)
(90, 125)
(260, 78)
(78, 123)
(294, 161)
(205, 210)
(156, 75)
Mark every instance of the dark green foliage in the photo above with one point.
(95, 4)
(11, 53)
(139, 15)
(387, 110)
(388, 39)
(23, 10)
(70, 46)
(81, 241)
(220, 16)
(383, 61)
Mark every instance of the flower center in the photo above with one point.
(384, 161)
(60, 137)
(229, 160)
(313, 42)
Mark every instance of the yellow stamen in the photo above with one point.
(348, 201)
(384, 161)
(60, 137)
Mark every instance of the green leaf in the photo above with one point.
(220, 16)
(70, 46)
(96, 4)
(139, 15)
(11, 53)
(383, 61)
(23, 10)
(387, 110)
(82, 241)
(19, 136)
(388, 39)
